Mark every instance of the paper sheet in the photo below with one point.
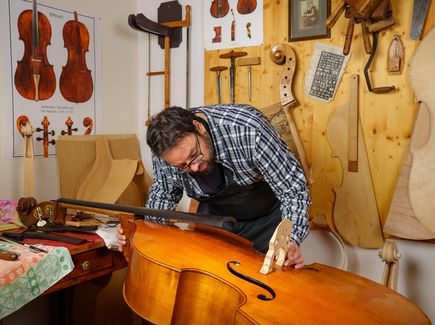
(326, 68)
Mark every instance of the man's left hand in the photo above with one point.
(294, 256)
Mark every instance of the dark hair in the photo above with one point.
(168, 127)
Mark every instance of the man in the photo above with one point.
(230, 159)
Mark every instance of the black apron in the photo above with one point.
(255, 207)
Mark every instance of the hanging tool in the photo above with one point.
(355, 18)
(378, 90)
(373, 15)
(148, 121)
(249, 62)
(361, 8)
(396, 56)
(169, 12)
(218, 71)
(167, 30)
(232, 55)
(419, 13)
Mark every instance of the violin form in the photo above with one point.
(245, 7)
(34, 77)
(219, 8)
(421, 185)
(205, 275)
(76, 84)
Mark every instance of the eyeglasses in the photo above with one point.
(195, 160)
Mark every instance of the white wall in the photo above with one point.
(416, 265)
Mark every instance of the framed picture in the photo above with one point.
(307, 19)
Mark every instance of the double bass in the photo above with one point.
(219, 8)
(194, 272)
(245, 7)
(34, 77)
(76, 84)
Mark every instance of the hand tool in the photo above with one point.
(43, 235)
(249, 62)
(7, 255)
(32, 248)
(218, 70)
(377, 90)
(232, 55)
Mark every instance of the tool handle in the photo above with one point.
(366, 38)
(349, 35)
(332, 19)
(7, 255)
(383, 90)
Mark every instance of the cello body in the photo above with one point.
(76, 84)
(34, 77)
(245, 7)
(181, 277)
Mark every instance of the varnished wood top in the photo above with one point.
(329, 296)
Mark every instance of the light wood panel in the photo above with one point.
(386, 118)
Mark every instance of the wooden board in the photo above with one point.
(355, 210)
(421, 178)
(387, 119)
(401, 220)
(77, 156)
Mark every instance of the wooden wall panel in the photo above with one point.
(386, 118)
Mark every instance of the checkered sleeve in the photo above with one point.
(284, 174)
(166, 190)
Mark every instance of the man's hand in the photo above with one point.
(122, 240)
(294, 256)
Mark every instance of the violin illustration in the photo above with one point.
(69, 123)
(34, 77)
(245, 7)
(45, 133)
(219, 8)
(88, 124)
(233, 27)
(76, 84)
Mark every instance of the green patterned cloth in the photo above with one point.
(30, 275)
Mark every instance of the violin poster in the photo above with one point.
(50, 74)
(232, 23)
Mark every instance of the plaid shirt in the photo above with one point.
(245, 142)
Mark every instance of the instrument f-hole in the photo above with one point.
(261, 296)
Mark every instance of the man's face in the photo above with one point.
(194, 154)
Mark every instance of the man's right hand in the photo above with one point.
(122, 240)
